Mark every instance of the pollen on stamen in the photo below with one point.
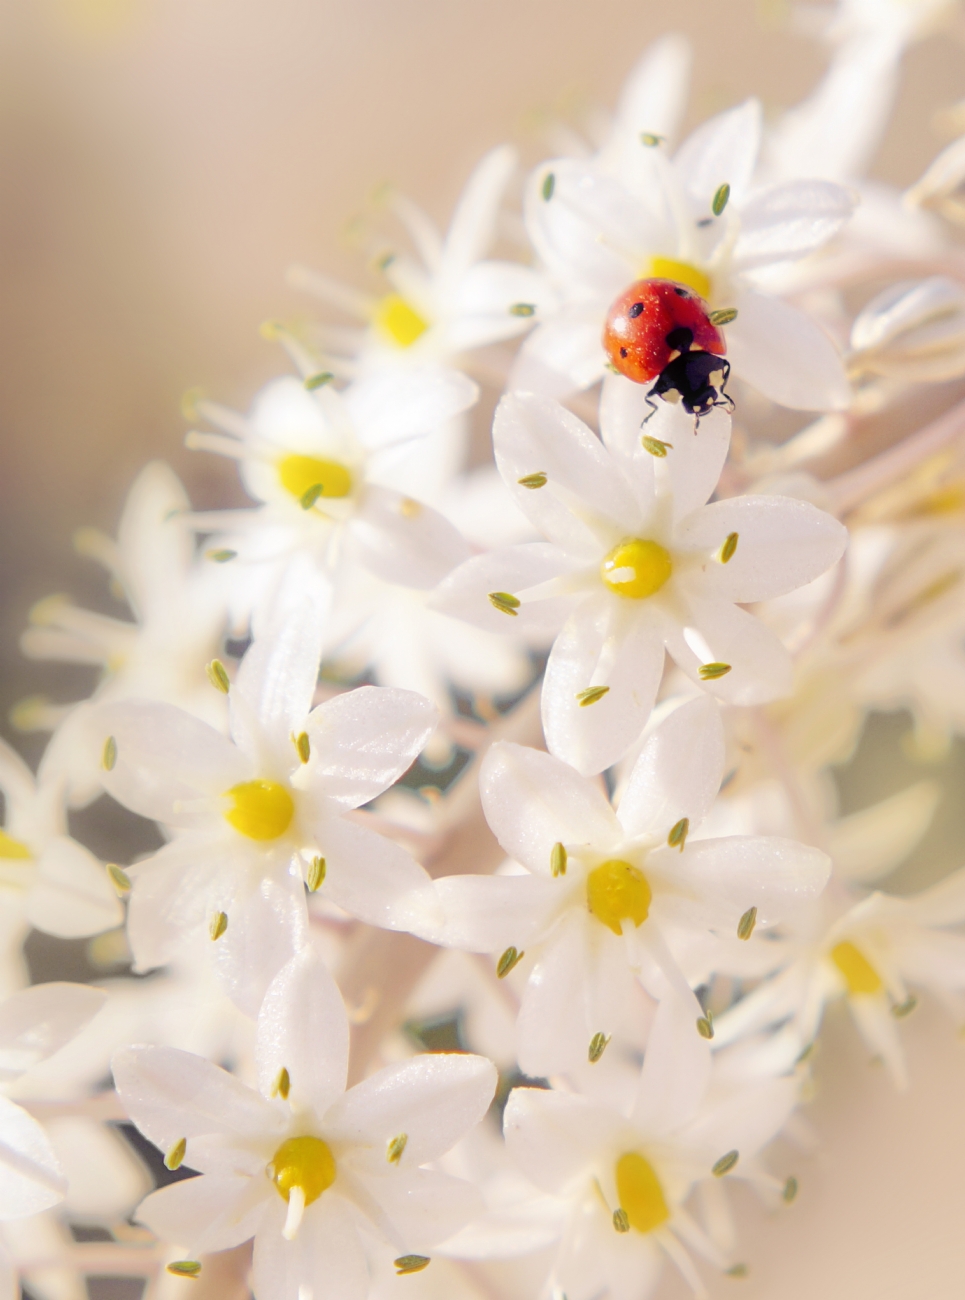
(510, 958)
(678, 834)
(316, 874)
(218, 676)
(218, 925)
(396, 1147)
(303, 746)
(175, 1157)
(109, 755)
(598, 1045)
(558, 859)
(282, 1085)
(184, 1267)
(119, 877)
(725, 1164)
(411, 1264)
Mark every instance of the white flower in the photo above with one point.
(448, 302)
(311, 1171)
(34, 1024)
(625, 1173)
(50, 881)
(179, 611)
(913, 331)
(322, 463)
(609, 894)
(597, 232)
(636, 562)
(257, 814)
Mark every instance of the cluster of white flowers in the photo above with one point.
(499, 881)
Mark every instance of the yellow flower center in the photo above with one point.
(305, 1162)
(636, 568)
(11, 848)
(301, 474)
(666, 268)
(640, 1194)
(262, 810)
(615, 892)
(399, 323)
(856, 970)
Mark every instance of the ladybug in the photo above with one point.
(661, 330)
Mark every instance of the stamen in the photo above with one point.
(411, 1264)
(396, 1147)
(745, 926)
(678, 834)
(620, 1221)
(218, 676)
(507, 961)
(558, 859)
(319, 381)
(651, 141)
(296, 1211)
(522, 309)
(636, 568)
(655, 446)
(705, 1026)
(504, 602)
(720, 199)
(723, 316)
(640, 1194)
(532, 481)
(282, 1085)
(710, 672)
(725, 1164)
(598, 1045)
(218, 924)
(902, 1009)
(591, 695)
(728, 548)
(175, 1156)
(262, 810)
(221, 556)
(109, 756)
(303, 746)
(736, 1270)
(790, 1190)
(617, 892)
(184, 1267)
(549, 185)
(119, 877)
(316, 874)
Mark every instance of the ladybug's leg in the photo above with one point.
(728, 402)
(653, 408)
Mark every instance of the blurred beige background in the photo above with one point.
(163, 161)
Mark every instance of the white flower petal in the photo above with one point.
(563, 354)
(678, 773)
(465, 593)
(423, 1205)
(676, 1069)
(785, 355)
(166, 760)
(174, 894)
(30, 1177)
(433, 1099)
(208, 1213)
(277, 678)
(38, 1021)
(369, 876)
(720, 879)
(554, 1136)
(588, 233)
(302, 1028)
(266, 924)
(789, 221)
(760, 664)
(533, 434)
(594, 736)
(325, 1261)
(942, 904)
(933, 959)
(363, 741)
(171, 1095)
(472, 229)
(746, 1119)
(871, 843)
(394, 404)
(533, 800)
(782, 544)
(652, 100)
(553, 1029)
(401, 540)
(723, 151)
(879, 1029)
(490, 913)
(72, 896)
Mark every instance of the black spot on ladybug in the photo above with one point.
(635, 310)
(623, 352)
(680, 338)
(681, 293)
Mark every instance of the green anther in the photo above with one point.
(303, 746)
(109, 756)
(655, 446)
(316, 874)
(725, 1164)
(558, 859)
(522, 309)
(532, 481)
(598, 1045)
(790, 1190)
(507, 961)
(411, 1264)
(710, 672)
(319, 381)
(218, 924)
(184, 1267)
(720, 199)
(745, 926)
(395, 1148)
(621, 1221)
(218, 676)
(737, 1270)
(728, 548)
(650, 140)
(311, 495)
(504, 602)
(723, 316)
(221, 556)
(549, 185)
(591, 695)
(803, 1056)
(902, 1009)
(282, 1085)
(119, 878)
(175, 1157)
(678, 834)
(705, 1026)
(385, 261)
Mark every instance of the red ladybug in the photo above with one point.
(660, 330)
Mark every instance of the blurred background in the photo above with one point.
(162, 162)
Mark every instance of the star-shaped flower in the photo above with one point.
(311, 1171)
(609, 893)
(698, 219)
(256, 816)
(636, 562)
